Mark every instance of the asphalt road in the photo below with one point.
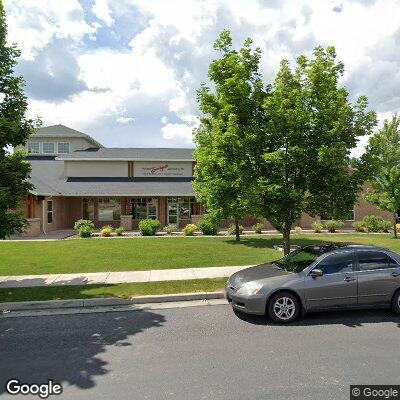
(201, 353)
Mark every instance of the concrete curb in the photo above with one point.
(107, 301)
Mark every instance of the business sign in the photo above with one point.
(163, 169)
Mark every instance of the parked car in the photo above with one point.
(318, 277)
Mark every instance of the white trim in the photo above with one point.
(47, 211)
(124, 159)
(50, 152)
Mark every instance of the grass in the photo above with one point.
(133, 254)
(123, 290)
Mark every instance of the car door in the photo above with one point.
(337, 287)
(378, 277)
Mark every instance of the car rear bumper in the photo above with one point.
(247, 304)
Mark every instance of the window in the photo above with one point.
(49, 211)
(180, 209)
(88, 209)
(144, 208)
(63, 147)
(369, 260)
(48, 147)
(33, 147)
(340, 262)
(109, 209)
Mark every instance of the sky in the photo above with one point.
(126, 71)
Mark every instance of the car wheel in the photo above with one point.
(396, 302)
(283, 307)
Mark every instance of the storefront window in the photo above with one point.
(88, 209)
(109, 209)
(144, 208)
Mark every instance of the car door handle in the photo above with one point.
(395, 274)
(349, 279)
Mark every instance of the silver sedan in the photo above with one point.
(318, 277)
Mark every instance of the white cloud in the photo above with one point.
(178, 132)
(102, 11)
(125, 120)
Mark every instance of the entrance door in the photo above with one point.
(152, 209)
(173, 213)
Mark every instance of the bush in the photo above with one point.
(120, 231)
(332, 225)
(232, 229)
(208, 226)
(106, 231)
(170, 228)
(372, 223)
(297, 229)
(189, 229)
(317, 226)
(258, 227)
(149, 227)
(85, 227)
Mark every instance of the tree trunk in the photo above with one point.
(237, 231)
(394, 225)
(286, 239)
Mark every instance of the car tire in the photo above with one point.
(283, 307)
(396, 302)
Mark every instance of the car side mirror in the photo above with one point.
(316, 272)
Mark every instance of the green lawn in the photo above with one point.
(130, 254)
(125, 290)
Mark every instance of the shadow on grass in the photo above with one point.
(67, 348)
(350, 318)
(270, 242)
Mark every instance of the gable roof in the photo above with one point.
(131, 154)
(63, 131)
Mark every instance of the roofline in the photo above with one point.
(115, 195)
(123, 159)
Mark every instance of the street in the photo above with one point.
(200, 353)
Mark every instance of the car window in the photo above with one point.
(369, 260)
(340, 262)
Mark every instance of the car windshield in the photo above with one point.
(300, 259)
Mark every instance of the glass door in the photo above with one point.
(152, 209)
(173, 208)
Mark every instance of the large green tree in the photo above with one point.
(382, 156)
(231, 117)
(310, 129)
(15, 129)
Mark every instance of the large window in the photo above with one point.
(180, 209)
(109, 209)
(48, 147)
(33, 147)
(88, 209)
(63, 147)
(50, 211)
(144, 208)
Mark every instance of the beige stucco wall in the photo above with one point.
(96, 168)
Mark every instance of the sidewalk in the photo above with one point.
(97, 278)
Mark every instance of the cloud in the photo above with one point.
(178, 131)
(102, 11)
(125, 120)
(338, 8)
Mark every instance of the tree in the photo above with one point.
(231, 117)
(310, 129)
(383, 158)
(14, 130)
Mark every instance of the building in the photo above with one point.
(76, 177)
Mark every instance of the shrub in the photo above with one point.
(359, 226)
(297, 229)
(106, 231)
(85, 227)
(170, 228)
(332, 225)
(189, 229)
(372, 223)
(232, 229)
(317, 226)
(258, 227)
(208, 226)
(149, 227)
(120, 231)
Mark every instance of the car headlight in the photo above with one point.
(249, 289)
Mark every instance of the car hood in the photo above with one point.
(263, 271)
